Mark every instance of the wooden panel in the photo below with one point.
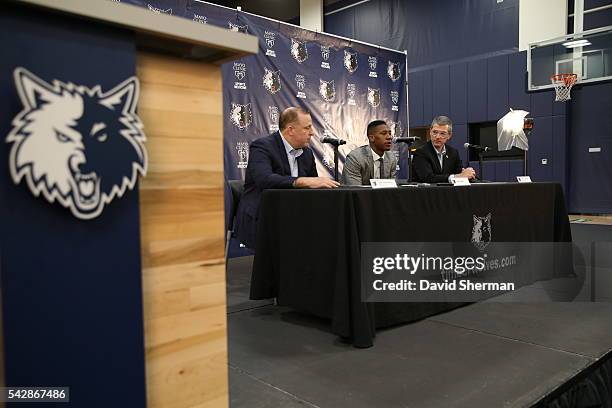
(182, 234)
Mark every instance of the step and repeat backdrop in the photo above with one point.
(344, 84)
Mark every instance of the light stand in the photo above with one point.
(527, 128)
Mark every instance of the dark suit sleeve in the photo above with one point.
(424, 170)
(260, 168)
(456, 168)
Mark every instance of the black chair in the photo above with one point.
(236, 187)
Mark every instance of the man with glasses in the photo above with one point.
(372, 161)
(435, 162)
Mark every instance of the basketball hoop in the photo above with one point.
(563, 84)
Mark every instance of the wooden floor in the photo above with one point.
(591, 219)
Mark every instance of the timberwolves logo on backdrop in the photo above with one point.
(158, 10)
(373, 97)
(271, 81)
(300, 82)
(327, 119)
(325, 56)
(240, 72)
(396, 129)
(270, 38)
(77, 145)
(273, 115)
(327, 90)
(241, 115)
(481, 231)
(242, 148)
(238, 28)
(200, 19)
(394, 100)
(298, 50)
(351, 91)
(393, 71)
(373, 62)
(350, 61)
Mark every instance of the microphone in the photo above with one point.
(332, 140)
(406, 139)
(477, 147)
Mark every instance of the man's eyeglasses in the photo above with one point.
(439, 133)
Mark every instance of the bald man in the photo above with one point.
(281, 160)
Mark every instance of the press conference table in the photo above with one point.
(308, 246)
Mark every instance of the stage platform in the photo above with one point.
(482, 355)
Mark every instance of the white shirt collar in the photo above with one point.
(443, 152)
(288, 148)
(375, 155)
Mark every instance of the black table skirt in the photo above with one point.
(308, 241)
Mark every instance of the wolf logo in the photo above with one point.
(157, 10)
(350, 61)
(327, 90)
(271, 81)
(238, 28)
(396, 129)
(393, 71)
(298, 50)
(481, 232)
(66, 136)
(241, 115)
(373, 97)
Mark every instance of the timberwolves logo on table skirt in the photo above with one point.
(241, 115)
(77, 145)
(298, 50)
(271, 81)
(327, 90)
(481, 232)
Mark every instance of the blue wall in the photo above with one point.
(483, 90)
(432, 31)
(464, 62)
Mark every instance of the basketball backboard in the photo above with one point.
(587, 54)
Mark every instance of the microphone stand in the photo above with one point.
(336, 162)
(409, 161)
(480, 165)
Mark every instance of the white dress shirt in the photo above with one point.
(292, 155)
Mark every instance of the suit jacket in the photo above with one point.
(359, 167)
(426, 166)
(268, 168)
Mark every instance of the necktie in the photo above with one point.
(380, 170)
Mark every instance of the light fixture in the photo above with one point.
(576, 43)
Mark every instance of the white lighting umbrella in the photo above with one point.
(510, 131)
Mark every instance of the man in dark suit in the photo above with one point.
(435, 162)
(281, 160)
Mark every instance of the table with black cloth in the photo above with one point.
(308, 246)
